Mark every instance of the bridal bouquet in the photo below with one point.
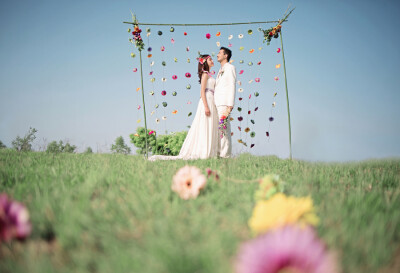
(223, 121)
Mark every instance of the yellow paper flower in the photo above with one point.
(281, 210)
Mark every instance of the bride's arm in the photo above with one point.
(204, 79)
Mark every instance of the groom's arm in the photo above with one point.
(231, 86)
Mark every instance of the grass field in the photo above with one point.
(116, 213)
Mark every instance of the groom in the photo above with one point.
(224, 97)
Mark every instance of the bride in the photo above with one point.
(202, 139)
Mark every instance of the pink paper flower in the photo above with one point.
(257, 79)
(276, 79)
(174, 77)
(14, 220)
(287, 249)
(163, 92)
(208, 35)
(188, 75)
(135, 70)
(241, 72)
(162, 48)
(278, 50)
(188, 182)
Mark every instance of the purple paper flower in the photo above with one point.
(287, 249)
(14, 220)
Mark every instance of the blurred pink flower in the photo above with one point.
(208, 35)
(14, 220)
(188, 181)
(287, 249)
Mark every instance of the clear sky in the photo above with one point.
(65, 69)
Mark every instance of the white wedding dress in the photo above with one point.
(202, 139)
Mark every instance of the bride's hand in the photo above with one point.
(208, 113)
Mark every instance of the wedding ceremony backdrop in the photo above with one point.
(165, 70)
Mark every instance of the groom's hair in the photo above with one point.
(228, 52)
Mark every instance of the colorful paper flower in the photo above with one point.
(139, 107)
(239, 109)
(149, 49)
(176, 59)
(239, 128)
(174, 112)
(152, 63)
(241, 48)
(188, 182)
(259, 63)
(174, 77)
(129, 30)
(159, 32)
(255, 109)
(208, 35)
(188, 86)
(229, 45)
(163, 92)
(162, 48)
(190, 113)
(164, 104)
(240, 90)
(252, 145)
(267, 133)
(249, 112)
(187, 48)
(240, 36)
(185, 33)
(188, 75)
(152, 113)
(139, 120)
(240, 118)
(149, 56)
(241, 72)
(250, 31)
(252, 134)
(252, 121)
(278, 50)
(273, 104)
(278, 66)
(241, 61)
(135, 70)
(174, 93)
(164, 118)
(240, 98)
(256, 94)
(151, 93)
(250, 96)
(137, 89)
(271, 118)
(250, 81)
(218, 44)
(239, 82)
(152, 79)
(257, 79)
(247, 129)
(287, 249)
(250, 63)
(156, 106)
(251, 50)
(218, 34)
(163, 79)
(157, 120)
(163, 63)
(276, 79)
(14, 220)
(172, 29)
(172, 40)
(133, 55)
(188, 60)
(230, 37)
(282, 210)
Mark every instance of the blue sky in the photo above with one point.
(66, 70)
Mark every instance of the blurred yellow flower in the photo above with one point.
(281, 210)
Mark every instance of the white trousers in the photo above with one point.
(225, 143)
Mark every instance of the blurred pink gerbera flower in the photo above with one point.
(287, 249)
(188, 181)
(14, 220)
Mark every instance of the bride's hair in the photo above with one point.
(202, 67)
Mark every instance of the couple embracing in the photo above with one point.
(208, 136)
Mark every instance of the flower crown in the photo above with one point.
(203, 60)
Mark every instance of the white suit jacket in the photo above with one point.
(225, 86)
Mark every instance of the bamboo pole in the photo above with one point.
(287, 98)
(223, 24)
(144, 105)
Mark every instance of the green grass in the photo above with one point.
(115, 213)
